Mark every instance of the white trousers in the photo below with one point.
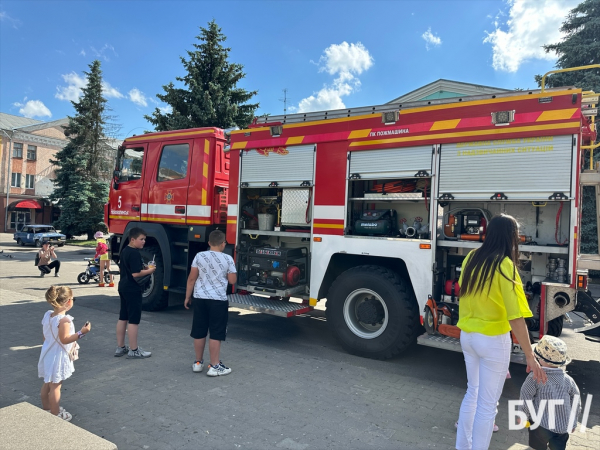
(487, 359)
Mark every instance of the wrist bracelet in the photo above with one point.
(80, 334)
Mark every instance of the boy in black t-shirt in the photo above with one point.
(132, 267)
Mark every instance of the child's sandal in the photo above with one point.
(65, 415)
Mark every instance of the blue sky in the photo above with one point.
(328, 54)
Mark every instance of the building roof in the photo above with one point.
(446, 89)
(8, 121)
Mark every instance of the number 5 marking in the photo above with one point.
(119, 203)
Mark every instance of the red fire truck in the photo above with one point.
(372, 209)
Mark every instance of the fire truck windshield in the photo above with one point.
(129, 164)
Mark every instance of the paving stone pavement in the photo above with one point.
(292, 386)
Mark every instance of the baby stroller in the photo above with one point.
(92, 272)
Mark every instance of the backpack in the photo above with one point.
(37, 258)
(102, 248)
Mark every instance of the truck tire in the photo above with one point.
(555, 326)
(373, 312)
(154, 297)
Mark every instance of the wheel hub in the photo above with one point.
(365, 313)
(370, 311)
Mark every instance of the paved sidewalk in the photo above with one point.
(292, 386)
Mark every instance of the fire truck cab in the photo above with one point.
(374, 210)
(174, 185)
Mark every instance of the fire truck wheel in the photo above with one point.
(154, 297)
(555, 326)
(373, 312)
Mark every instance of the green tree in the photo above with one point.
(80, 187)
(211, 97)
(580, 47)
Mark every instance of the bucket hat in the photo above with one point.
(552, 351)
(98, 235)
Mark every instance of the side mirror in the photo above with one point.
(115, 184)
(117, 173)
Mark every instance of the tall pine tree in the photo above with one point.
(211, 97)
(79, 188)
(581, 47)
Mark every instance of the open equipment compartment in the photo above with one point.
(473, 188)
(275, 221)
(389, 193)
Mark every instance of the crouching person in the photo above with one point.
(46, 264)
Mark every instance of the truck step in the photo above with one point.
(180, 244)
(450, 343)
(267, 305)
(179, 267)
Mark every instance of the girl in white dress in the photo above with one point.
(55, 364)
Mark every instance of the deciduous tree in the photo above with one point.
(580, 47)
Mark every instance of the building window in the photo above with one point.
(15, 180)
(32, 152)
(29, 181)
(17, 150)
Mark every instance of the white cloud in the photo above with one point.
(103, 52)
(430, 39)
(138, 97)
(72, 91)
(109, 91)
(530, 26)
(82, 52)
(75, 83)
(33, 108)
(168, 109)
(4, 17)
(345, 61)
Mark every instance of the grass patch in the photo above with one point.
(91, 244)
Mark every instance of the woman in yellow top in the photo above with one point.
(492, 303)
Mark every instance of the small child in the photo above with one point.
(102, 253)
(55, 363)
(210, 272)
(551, 353)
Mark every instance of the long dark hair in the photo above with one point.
(501, 241)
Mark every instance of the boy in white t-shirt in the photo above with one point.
(210, 273)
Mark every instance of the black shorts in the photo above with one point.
(131, 307)
(541, 438)
(209, 316)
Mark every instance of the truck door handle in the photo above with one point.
(135, 208)
(180, 210)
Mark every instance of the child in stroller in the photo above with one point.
(92, 272)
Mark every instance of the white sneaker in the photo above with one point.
(56, 275)
(198, 366)
(218, 370)
(138, 354)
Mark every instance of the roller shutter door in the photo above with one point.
(391, 163)
(521, 169)
(288, 166)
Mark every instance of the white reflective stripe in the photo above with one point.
(328, 212)
(198, 210)
(232, 210)
(144, 208)
(163, 210)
